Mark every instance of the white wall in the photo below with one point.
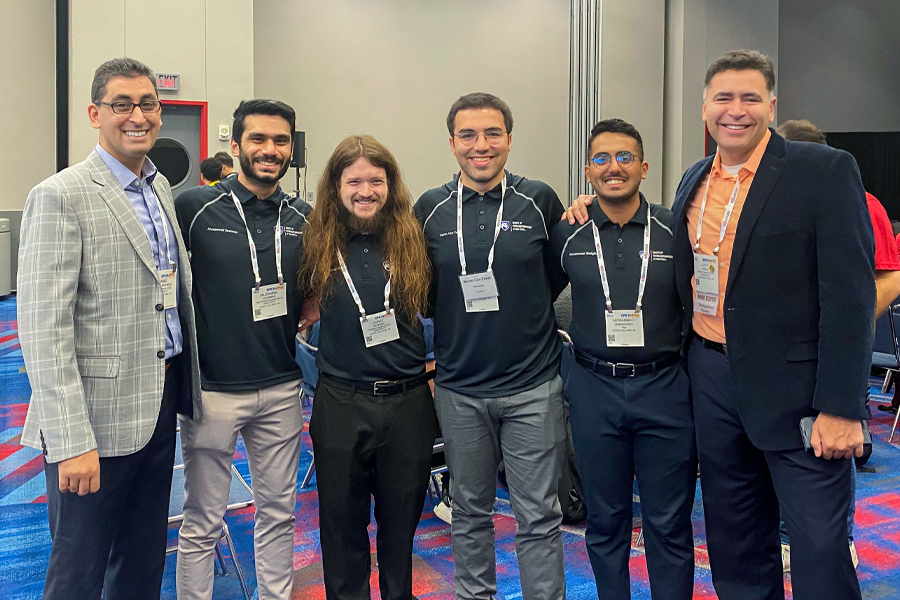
(392, 69)
(208, 42)
(28, 101)
(840, 64)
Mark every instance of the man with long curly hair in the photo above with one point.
(373, 422)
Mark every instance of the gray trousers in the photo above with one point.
(270, 420)
(528, 430)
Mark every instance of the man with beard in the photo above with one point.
(628, 395)
(497, 388)
(245, 239)
(373, 423)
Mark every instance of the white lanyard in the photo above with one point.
(725, 218)
(162, 217)
(355, 294)
(237, 204)
(459, 228)
(645, 264)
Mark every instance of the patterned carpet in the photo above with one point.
(26, 542)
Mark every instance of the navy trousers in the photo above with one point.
(641, 427)
(742, 489)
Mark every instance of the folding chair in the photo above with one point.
(307, 342)
(239, 496)
(886, 354)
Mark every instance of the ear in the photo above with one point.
(235, 148)
(94, 115)
(772, 109)
(587, 172)
(452, 146)
(509, 142)
(644, 167)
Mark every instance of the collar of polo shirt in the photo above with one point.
(493, 193)
(245, 195)
(640, 216)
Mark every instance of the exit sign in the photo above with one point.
(168, 81)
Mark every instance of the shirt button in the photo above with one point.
(259, 231)
(257, 217)
(481, 198)
(161, 354)
(159, 307)
(619, 255)
(615, 226)
(481, 227)
(366, 250)
(481, 212)
(365, 265)
(620, 240)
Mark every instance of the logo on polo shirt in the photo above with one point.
(221, 230)
(520, 226)
(659, 255)
(504, 225)
(288, 230)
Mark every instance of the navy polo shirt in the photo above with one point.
(575, 260)
(342, 349)
(515, 349)
(236, 353)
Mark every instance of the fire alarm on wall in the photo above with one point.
(224, 132)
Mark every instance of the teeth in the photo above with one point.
(615, 181)
(135, 133)
(736, 127)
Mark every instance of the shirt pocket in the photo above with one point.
(106, 367)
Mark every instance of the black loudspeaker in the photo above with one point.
(299, 159)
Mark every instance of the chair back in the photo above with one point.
(886, 350)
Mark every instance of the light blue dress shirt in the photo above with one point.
(142, 197)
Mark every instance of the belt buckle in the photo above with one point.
(622, 366)
(375, 391)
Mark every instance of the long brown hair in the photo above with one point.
(402, 240)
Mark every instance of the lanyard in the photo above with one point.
(725, 218)
(459, 228)
(355, 294)
(645, 264)
(253, 261)
(162, 217)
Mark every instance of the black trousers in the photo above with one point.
(743, 487)
(114, 540)
(370, 446)
(640, 427)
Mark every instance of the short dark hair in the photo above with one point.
(224, 159)
(119, 67)
(801, 130)
(211, 169)
(479, 100)
(615, 126)
(741, 60)
(261, 106)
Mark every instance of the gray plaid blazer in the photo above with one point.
(88, 324)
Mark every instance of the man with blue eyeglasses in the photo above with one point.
(628, 394)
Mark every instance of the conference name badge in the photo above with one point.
(624, 329)
(269, 301)
(379, 328)
(168, 280)
(480, 292)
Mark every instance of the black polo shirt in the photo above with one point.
(342, 350)
(512, 350)
(236, 353)
(576, 261)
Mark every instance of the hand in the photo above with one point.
(836, 437)
(309, 314)
(80, 474)
(578, 210)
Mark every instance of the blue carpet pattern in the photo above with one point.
(25, 544)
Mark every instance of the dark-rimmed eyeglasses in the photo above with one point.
(624, 158)
(126, 108)
(469, 138)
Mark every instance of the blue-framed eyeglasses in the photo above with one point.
(624, 158)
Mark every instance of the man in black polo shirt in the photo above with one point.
(497, 388)
(373, 423)
(627, 392)
(245, 239)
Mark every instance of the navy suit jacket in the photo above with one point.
(800, 298)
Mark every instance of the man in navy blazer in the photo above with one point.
(778, 285)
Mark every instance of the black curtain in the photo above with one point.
(878, 156)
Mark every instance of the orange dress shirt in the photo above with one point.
(721, 185)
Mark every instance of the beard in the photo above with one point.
(354, 224)
(251, 173)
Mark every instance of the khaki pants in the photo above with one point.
(270, 421)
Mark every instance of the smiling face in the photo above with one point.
(616, 183)
(127, 137)
(482, 163)
(265, 148)
(363, 189)
(737, 110)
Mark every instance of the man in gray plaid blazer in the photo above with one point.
(107, 331)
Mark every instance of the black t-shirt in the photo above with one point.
(342, 350)
(515, 349)
(575, 260)
(236, 353)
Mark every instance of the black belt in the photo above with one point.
(720, 348)
(382, 388)
(603, 367)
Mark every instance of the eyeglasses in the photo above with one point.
(126, 108)
(624, 158)
(469, 138)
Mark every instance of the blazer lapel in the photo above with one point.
(770, 168)
(122, 210)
